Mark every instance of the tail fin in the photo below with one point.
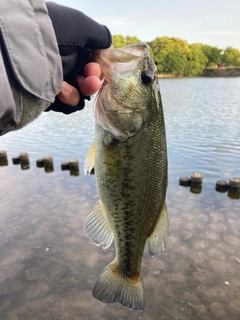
(112, 287)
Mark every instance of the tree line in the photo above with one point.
(178, 57)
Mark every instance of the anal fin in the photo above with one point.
(97, 227)
(157, 241)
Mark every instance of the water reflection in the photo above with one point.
(3, 163)
(196, 189)
(48, 266)
(234, 194)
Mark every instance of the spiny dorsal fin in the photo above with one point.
(97, 227)
(157, 241)
(90, 159)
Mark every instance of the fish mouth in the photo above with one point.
(118, 60)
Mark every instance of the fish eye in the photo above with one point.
(146, 77)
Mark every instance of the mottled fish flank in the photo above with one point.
(129, 155)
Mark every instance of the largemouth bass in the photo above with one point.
(129, 156)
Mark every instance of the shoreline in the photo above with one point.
(208, 73)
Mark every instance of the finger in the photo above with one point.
(93, 69)
(69, 94)
(90, 85)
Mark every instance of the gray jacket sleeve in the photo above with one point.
(30, 64)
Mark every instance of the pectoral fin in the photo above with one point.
(97, 227)
(90, 159)
(157, 241)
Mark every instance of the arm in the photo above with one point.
(37, 54)
(30, 65)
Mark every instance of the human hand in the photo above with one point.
(88, 84)
(77, 35)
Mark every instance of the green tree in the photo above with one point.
(196, 60)
(158, 47)
(175, 63)
(175, 56)
(119, 40)
(131, 40)
(213, 54)
(151, 53)
(170, 55)
(231, 57)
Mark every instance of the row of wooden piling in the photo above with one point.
(196, 179)
(47, 163)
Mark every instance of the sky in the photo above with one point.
(213, 22)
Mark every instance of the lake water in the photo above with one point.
(48, 266)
